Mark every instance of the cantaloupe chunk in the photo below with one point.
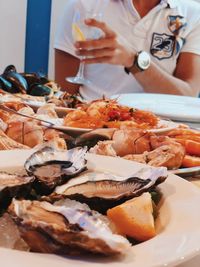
(134, 218)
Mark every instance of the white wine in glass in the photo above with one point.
(82, 32)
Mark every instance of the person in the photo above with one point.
(148, 46)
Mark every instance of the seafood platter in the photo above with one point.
(72, 176)
(62, 208)
(106, 128)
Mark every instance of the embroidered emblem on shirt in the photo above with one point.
(177, 25)
(162, 45)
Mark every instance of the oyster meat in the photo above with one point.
(102, 191)
(66, 227)
(51, 167)
(13, 185)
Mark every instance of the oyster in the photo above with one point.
(91, 138)
(66, 227)
(13, 185)
(52, 167)
(102, 191)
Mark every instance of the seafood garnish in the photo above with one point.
(52, 167)
(102, 191)
(13, 185)
(66, 227)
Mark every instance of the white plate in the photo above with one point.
(164, 126)
(58, 124)
(187, 172)
(180, 108)
(178, 231)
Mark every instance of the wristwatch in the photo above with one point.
(142, 62)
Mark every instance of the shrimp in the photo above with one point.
(143, 147)
(131, 142)
(26, 132)
(75, 115)
(94, 110)
(170, 155)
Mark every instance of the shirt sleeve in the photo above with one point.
(192, 43)
(63, 39)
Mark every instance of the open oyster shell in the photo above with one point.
(66, 227)
(13, 185)
(102, 191)
(52, 167)
(91, 138)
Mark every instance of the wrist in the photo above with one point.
(130, 60)
(141, 62)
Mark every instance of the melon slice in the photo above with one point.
(134, 218)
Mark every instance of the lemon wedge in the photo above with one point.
(78, 34)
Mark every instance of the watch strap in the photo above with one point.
(135, 66)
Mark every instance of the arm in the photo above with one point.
(66, 65)
(186, 80)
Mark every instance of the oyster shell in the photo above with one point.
(102, 191)
(13, 185)
(66, 227)
(52, 167)
(91, 138)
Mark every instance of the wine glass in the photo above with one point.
(82, 32)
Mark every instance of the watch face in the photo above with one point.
(143, 60)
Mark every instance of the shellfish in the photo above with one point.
(37, 89)
(52, 167)
(102, 191)
(33, 78)
(66, 227)
(91, 138)
(13, 185)
(18, 82)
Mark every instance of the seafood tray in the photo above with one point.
(44, 222)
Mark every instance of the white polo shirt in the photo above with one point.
(172, 27)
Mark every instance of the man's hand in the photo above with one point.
(107, 49)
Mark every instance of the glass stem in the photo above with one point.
(80, 73)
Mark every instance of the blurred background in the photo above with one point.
(27, 32)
